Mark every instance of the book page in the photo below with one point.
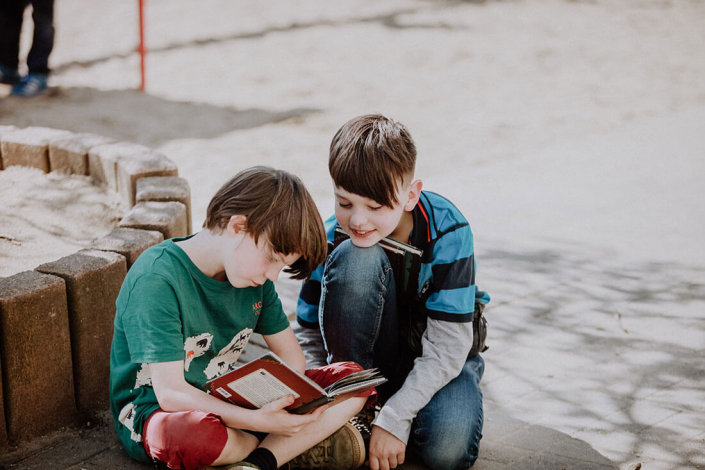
(260, 387)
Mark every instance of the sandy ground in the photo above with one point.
(46, 216)
(569, 132)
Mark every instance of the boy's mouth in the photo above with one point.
(362, 233)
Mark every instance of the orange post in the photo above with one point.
(142, 48)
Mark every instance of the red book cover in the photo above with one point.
(268, 378)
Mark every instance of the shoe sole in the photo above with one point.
(358, 444)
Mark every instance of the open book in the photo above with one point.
(269, 378)
(405, 260)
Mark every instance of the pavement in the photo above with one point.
(588, 240)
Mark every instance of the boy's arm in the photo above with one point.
(284, 345)
(445, 349)
(175, 394)
(307, 330)
(311, 342)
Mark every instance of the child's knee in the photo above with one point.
(354, 268)
(187, 439)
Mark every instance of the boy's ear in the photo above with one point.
(414, 195)
(236, 224)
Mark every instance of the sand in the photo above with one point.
(486, 88)
(569, 132)
(44, 217)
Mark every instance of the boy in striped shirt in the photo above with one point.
(350, 308)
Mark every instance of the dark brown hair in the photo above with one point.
(370, 156)
(278, 206)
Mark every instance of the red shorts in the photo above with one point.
(194, 439)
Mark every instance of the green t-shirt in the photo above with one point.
(168, 310)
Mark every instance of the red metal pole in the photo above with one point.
(142, 48)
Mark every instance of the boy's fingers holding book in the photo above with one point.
(280, 403)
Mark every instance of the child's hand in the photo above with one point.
(274, 419)
(386, 451)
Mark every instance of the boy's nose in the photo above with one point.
(358, 219)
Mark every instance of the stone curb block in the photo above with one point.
(87, 283)
(169, 218)
(132, 168)
(70, 154)
(4, 130)
(3, 428)
(129, 242)
(102, 161)
(93, 279)
(29, 146)
(36, 354)
(165, 189)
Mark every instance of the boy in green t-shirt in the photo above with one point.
(186, 311)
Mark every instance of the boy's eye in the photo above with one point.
(374, 208)
(344, 205)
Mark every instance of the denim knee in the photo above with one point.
(358, 270)
(447, 431)
(455, 448)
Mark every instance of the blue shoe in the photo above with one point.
(32, 84)
(8, 76)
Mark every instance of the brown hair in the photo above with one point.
(370, 155)
(278, 206)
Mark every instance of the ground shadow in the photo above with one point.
(635, 325)
(129, 115)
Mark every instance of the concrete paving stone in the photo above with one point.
(75, 447)
(35, 348)
(29, 146)
(133, 166)
(627, 444)
(674, 440)
(169, 218)
(684, 395)
(165, 188)
(93, 280)
(498, 454)
(129, 242)
(498, 424)
(70, 154)
(547, 460)
(508, 389)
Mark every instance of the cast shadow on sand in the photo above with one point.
(128, 115)
(616, 338)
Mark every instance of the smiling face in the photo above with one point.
(366, 221)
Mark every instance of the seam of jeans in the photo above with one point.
(384, 279)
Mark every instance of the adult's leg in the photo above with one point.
(446, 433)
(11, 12)
(43, 40)
(358, 313)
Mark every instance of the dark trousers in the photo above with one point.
(11, 13)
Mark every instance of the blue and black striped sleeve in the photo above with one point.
(452, 276)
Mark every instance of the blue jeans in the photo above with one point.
(11, 15)
(360, 322)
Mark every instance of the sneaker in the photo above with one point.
(8, 76)
(343, 450)
(240, 466)
(361, 422)
(31, 85)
